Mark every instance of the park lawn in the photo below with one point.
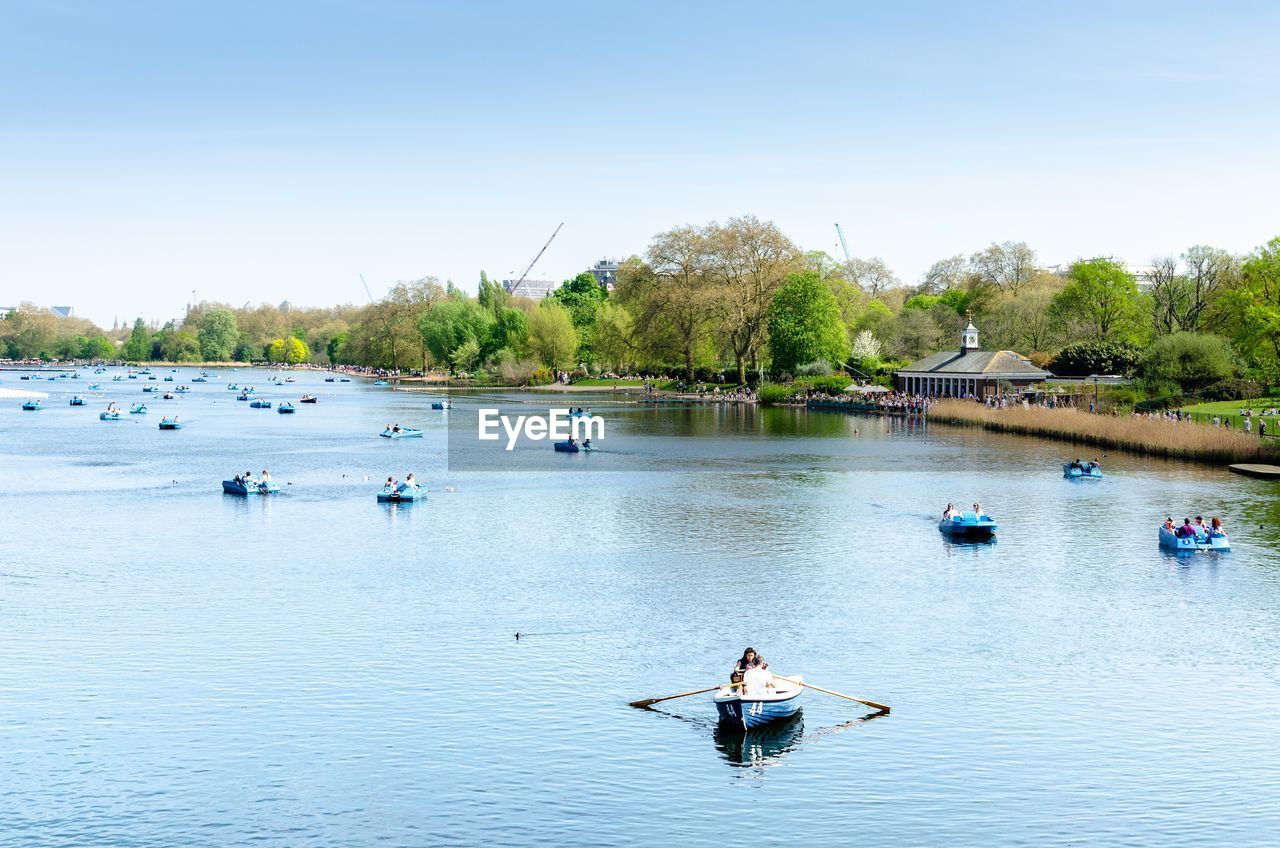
(1230, 410)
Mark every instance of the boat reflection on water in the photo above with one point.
(761, 746)
(766, 746)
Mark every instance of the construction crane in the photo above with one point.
(536, 258)
(843, 246)
(366, 287)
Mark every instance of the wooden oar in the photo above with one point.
(647, 701)
(872, 704)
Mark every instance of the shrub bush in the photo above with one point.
(820, 368)
(771, 393)
(1192, 360)
(1237, 388)
(1095, 357)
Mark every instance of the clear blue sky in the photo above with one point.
(271, 151)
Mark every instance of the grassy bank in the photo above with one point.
(1230, 410)
(1186, 440)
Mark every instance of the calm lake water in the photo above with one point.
(180, 667)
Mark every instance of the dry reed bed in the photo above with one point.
(1183, 440)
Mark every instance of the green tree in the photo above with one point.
(582, 296)
(492, 296)
(509, 331)
(97, 347)
(1102, 300)
(805, 325)
(275, 351)
(336, 348)
(1192, 360)
(552, 338)
(1252, 310)
(452, 323)
(137, 348)
(296, 350)
(218, 334)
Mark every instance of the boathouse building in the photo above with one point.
(969, 372)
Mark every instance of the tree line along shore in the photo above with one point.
(739, 303)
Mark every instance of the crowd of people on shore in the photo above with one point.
(900, 403)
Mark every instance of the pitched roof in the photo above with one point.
(986, 363)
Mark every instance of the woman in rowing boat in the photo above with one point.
(749, 658)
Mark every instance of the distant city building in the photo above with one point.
(1141, 273)
(63, 311)
(606, 273)
(285, 306)
(536, 289)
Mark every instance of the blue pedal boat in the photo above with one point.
(93, 387)
(76, 400)
(566, 447)
(749, 712)
(114, 415)
(236, 487)
(32, 406)
(381, 383)
(441, 404)
(151, 388)
(969, 526)
(1192, 544)
(402, 494)
(1088, 472)
(402, 433)
(259, 404)
(284, 408)
(170, 424)
(138, 409)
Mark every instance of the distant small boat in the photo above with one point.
(308, 399)
(259, 404)
(381, 383)
(170, 424)
(284, 408)
(93, 387)
(113, 415)
(402, 433)
(566, 447)
(289, 380)
(755, 711)
(182, 390)
(1191, 544)
(151, 388)
(25, 377)
(1087, 472)
(168, 396)
(138, 409)
(442, 404)
(117, 379)
(76, 400)
(168, 379)
(344, 380)
(32, 406)
(236, 487)
(331, 379)
(968, 525)
(232, 387)
(244, 397)
(133, 376)
(200, 379)
(402, 494)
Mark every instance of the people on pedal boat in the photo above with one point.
(1187, 530)
(949, 513)
(1216, 528)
